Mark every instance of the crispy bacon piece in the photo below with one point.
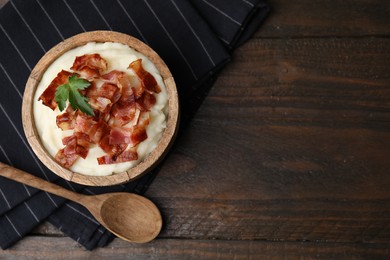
(123, 111)
(126, 156)
(131, 136)
(120, 135)
(146, 102)
(75, 145)
(66, 160)
(91, 91)
(99, 130)
(48, 95)
(66, 120)
(106, 90)
(84, 123)
(138, 133)
(78, 143)
(112, 150)
(100, 103)
(147, 79)
(70, 143)
(102, 99)
(118, 78)
(95, 130)
(118, 101)
(143, 119)
(89, 65)
(109, 91)
(83, 143)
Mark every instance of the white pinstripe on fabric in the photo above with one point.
(5, 198)
(249, 3)
(222, 12)
(24, 142)
(16, 47)
(101, 15)
(223, 40)
(193, 31)
(10, 80)
(50, 19)
(28, 192)
(5, 112)
(74, 15)
(6, 156)
(132, 21)
(89, 191)
(51, 199)
(10, 163)
(12, 225)
(28, 26)
(70, 185)
(32, 212)
(9, 118)
(172, 40)
(82, 214)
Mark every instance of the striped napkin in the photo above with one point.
(194, 37)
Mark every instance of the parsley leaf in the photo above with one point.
(62, 94)
(78, 83)
(70, 91)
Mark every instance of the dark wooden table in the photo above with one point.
(288, 157)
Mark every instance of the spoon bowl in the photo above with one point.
(139, 221)
(129, 216)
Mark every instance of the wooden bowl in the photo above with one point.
(144, 166)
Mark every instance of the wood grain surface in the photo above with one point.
(31, 248)
(327, 18)
(288, 155)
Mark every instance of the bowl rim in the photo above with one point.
(150, 161)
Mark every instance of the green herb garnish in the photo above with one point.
(70, 91)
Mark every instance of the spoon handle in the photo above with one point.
(33, 181)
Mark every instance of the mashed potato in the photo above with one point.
(118, 57)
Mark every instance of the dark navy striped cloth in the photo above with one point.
(194, 37)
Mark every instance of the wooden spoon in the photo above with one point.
(129, 216)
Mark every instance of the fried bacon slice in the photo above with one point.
(48, 96)
(113, 150)
(89, 66)
(66, 160)
(148, 81)
(130, 136)
(121, 111)
(118, 78)
(126, 156)
(66, 120)
(124, 109)
(95, 130)
(120, 135)
(101, 104)
(76, 145)
(106, 90)
(83, 143)
(146, 101)
(139, 133)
